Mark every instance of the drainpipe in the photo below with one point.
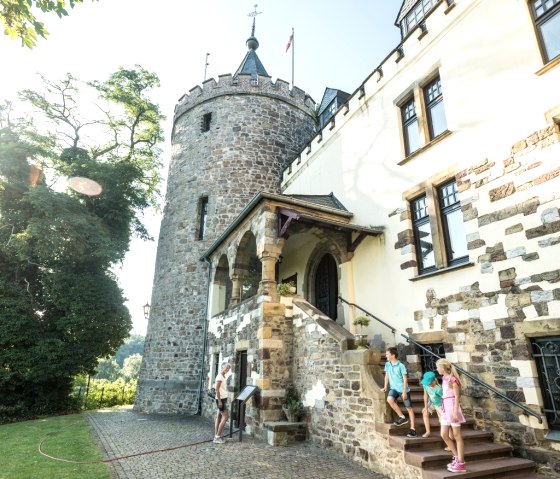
(203, 359)
(351, 295)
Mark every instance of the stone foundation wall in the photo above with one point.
(511, 210)
(260, 327)
(341, 393)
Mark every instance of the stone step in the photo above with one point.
(409, 443)
(487, 469)
(282, 433)
(474, 451)
(393, 430)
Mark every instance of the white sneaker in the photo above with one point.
(219, 440)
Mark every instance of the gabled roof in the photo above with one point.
(299, 208)
(251, 64)
(330, 201)
(329, 95)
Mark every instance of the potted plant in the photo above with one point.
(286, 289)
(292, 407)
(361, 339)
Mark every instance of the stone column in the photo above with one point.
(268, 260)
(235, 288)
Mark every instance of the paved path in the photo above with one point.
(122, 431)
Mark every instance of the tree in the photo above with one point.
(131, 368)
(107, 369)
(132, 345)
(20, 20)
(60, 305)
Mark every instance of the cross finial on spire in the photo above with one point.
(254, 14)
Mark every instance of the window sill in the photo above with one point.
(549, 66)
(449, 8)
(441, 271)
(553, 436)
(421, 150)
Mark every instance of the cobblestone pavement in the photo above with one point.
(122, 432)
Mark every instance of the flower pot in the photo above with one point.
(361, 341)
(290, 416)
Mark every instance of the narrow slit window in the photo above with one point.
(202, 217)
(206, 122)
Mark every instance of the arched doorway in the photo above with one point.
(326, 286)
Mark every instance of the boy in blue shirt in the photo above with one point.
(396, 377)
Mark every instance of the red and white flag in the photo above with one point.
(290, 41)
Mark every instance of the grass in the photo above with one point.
(66, 437)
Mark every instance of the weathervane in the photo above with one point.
(254, 14)
(206, 65)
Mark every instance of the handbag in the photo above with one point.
(212, 393)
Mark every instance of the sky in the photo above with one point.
(337, 44)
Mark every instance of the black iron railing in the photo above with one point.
(368, 314)
(461, 370)
(546, 353)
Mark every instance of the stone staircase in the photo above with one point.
(483, 457)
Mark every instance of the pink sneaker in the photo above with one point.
(452, 463)
(458, 467)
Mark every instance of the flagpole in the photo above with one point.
(293, 48)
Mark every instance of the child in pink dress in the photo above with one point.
(451, 414)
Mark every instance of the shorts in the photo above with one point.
(444, 422)
(224, 405)
(446, 418)
(396, 395)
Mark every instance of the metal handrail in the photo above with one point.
(368, 314)
(461, 370)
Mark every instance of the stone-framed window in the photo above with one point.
(202, 217)
(422, 115)
(546, 354)
(546, 16)
(206, 122)
(438, 229)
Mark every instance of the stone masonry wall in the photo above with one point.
(341, 393)
(260, 327)
(254, 130)
(511, 210)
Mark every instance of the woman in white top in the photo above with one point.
(221, 401)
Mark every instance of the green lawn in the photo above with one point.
(67, 437)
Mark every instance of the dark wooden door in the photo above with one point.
(242, 382)
(326, 286)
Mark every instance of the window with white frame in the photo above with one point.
(546, 14)
(439, 232)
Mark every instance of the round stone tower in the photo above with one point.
(231, 139)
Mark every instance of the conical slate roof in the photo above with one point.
(251, 63)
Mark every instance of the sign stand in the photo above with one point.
(245, 394)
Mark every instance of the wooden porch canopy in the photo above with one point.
(309, 209)
(287, 216)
